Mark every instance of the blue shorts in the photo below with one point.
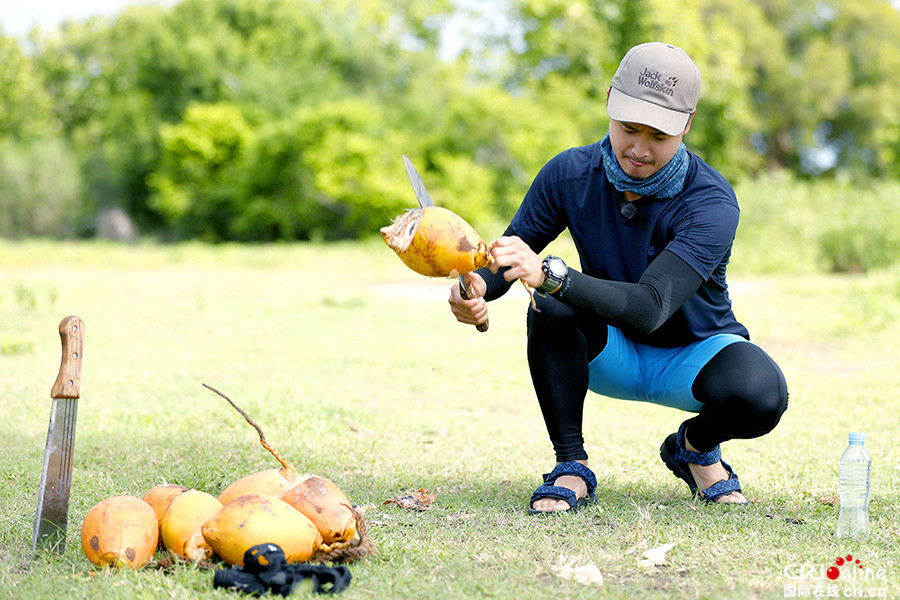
(631, 371)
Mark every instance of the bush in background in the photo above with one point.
(863, 233)
(790, 225)
(40, 188)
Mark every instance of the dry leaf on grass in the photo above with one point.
(829, 500)
(583, 574)
(419, 500)
(656, 556)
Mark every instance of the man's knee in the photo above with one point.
(765, 397)
(744, 387)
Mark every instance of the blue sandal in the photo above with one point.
(548, 490)
(677, 457)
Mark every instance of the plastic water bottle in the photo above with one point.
(856, 466)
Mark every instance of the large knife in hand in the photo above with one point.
(466, 286)
(56, 477)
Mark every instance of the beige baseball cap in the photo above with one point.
(656, 84)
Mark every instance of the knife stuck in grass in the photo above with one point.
(56, 476)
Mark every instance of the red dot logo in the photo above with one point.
(834, 572)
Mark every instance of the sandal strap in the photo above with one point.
(703, 459)
(554, 491)
(724, 487)
(575, 469)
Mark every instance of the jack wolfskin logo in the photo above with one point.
(653, 80)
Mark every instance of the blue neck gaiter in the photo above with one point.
(665, 183)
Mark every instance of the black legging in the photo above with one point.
(742, 390)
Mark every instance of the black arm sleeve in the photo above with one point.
(496, 284)
(663, 288)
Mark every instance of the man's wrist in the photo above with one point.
(555, 272)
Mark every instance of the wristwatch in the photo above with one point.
(555, 271)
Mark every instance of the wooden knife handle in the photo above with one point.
(68, 382)
(466, 290)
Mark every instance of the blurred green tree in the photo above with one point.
(194, 187)
(323, 99)
(25, 105)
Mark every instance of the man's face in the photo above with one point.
(643, 150)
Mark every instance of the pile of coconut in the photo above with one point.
(308, 516)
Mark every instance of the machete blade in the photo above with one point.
(417, 184)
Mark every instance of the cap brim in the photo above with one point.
(622, 107)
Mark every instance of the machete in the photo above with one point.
(56, 477)
(466, 288)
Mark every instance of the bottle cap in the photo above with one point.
(857, 438)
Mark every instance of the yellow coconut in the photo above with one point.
(257, 519)
(159, 497)
(326, 505)
(181, 523)
(121, 531)
(436, 242)
(270, 482)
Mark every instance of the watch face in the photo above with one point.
(557, 268)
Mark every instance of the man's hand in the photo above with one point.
(523, 263)
(474, 310)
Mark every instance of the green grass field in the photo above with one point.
(356, 371)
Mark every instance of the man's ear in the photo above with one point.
(690, 120)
